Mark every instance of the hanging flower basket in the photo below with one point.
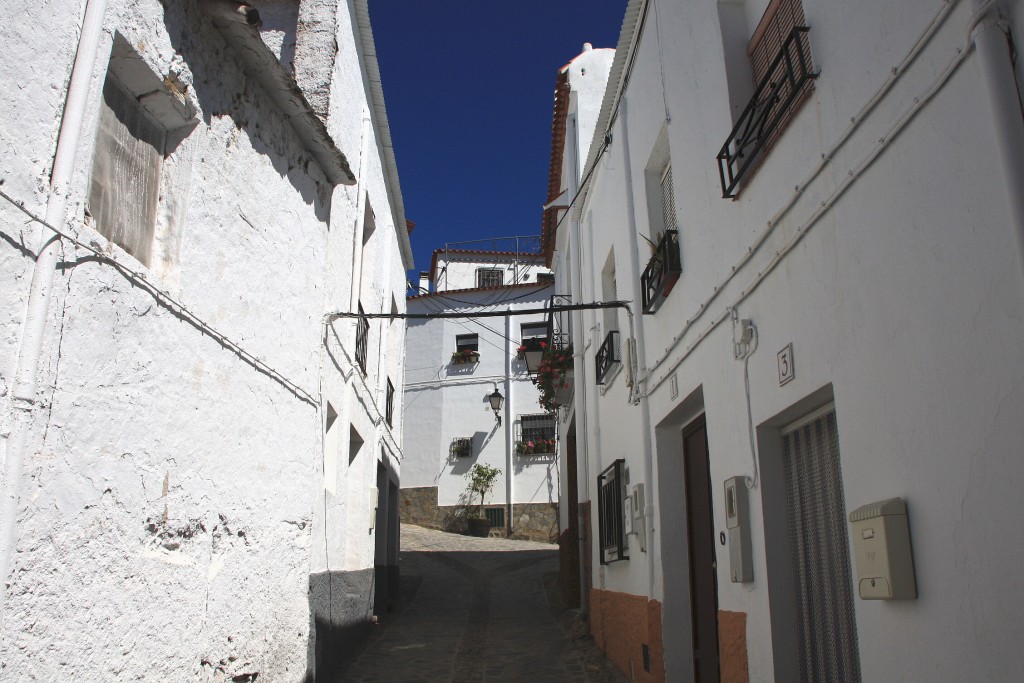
(465, 356)
(554, 378)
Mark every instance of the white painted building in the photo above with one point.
(200, 465)
(842, 330)
(453, 366)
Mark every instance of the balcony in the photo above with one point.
(362, 337)
(607, 356)
(661, 273)
(785, 85)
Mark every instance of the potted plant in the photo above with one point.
(481, 480)
(535, 446)
(465, 356)
(554, 377)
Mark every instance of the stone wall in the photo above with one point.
(531, 521)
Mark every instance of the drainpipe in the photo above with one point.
(641, 358)
(23, 398)
(507, 420)
(1001, 87)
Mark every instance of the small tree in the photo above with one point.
(481, 480)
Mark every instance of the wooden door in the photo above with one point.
(701, 546)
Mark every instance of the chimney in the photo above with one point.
(424, 287)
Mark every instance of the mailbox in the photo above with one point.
(881, 548)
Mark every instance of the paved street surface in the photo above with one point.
(478, 609)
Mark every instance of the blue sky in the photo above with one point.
(469, 88)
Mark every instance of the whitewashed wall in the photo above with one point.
(445, 401)
(903, 302)
(171, 490)
(462, 274)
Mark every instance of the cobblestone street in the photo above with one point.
(478, 609)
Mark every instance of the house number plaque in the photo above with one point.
(786, 369)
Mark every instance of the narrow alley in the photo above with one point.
(478, 609)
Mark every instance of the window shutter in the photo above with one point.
(668, 199)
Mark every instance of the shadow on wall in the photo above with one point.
(340, 607)
(222, 89)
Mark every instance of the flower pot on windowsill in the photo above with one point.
(465, 357)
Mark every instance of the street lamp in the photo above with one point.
(496, 399)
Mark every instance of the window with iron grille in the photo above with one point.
(607, 356)
(783, 77)
(611, 492)
(362, 338)
(389, 404)
(461, 447)
(819, 547)
(496, 517)
(490, 277)
(546, 278)
(668, 199)
(536, 434)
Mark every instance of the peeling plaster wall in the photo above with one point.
(173, 518)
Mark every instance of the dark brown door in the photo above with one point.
(701, 542)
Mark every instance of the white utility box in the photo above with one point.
(881, 548)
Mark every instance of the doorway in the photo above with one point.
(701, 548)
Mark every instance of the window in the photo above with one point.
(546, 278)
(816, 520)
(783, 77)
(142, 120)
(362, 338)
(125, 181)
(536, 434)
(389, 404)
(467, 342)
(611, 491)
(490, 277)
(461, 447)
(533, 331)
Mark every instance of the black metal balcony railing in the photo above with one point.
(362, 337)
(389, 405)
(661, 273)
(608, 355)
(773, 99)
(559, 323)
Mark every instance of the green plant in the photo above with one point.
(465, 356)
(535, 446)
(553, 374)
(481, 480)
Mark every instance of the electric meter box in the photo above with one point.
(881, 548)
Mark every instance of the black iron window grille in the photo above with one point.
(662, 272)
(788, 77)
(608, 355)
(362, 338)
(611, 492)
(389, 404)
(462, 447)
(536, 434)
(496, 516)
(490, 277)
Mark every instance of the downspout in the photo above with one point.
(641, 357)
(23, 397)
(582, 463)
(509, 446)
(1004, 98)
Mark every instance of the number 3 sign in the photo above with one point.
(786, 369)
